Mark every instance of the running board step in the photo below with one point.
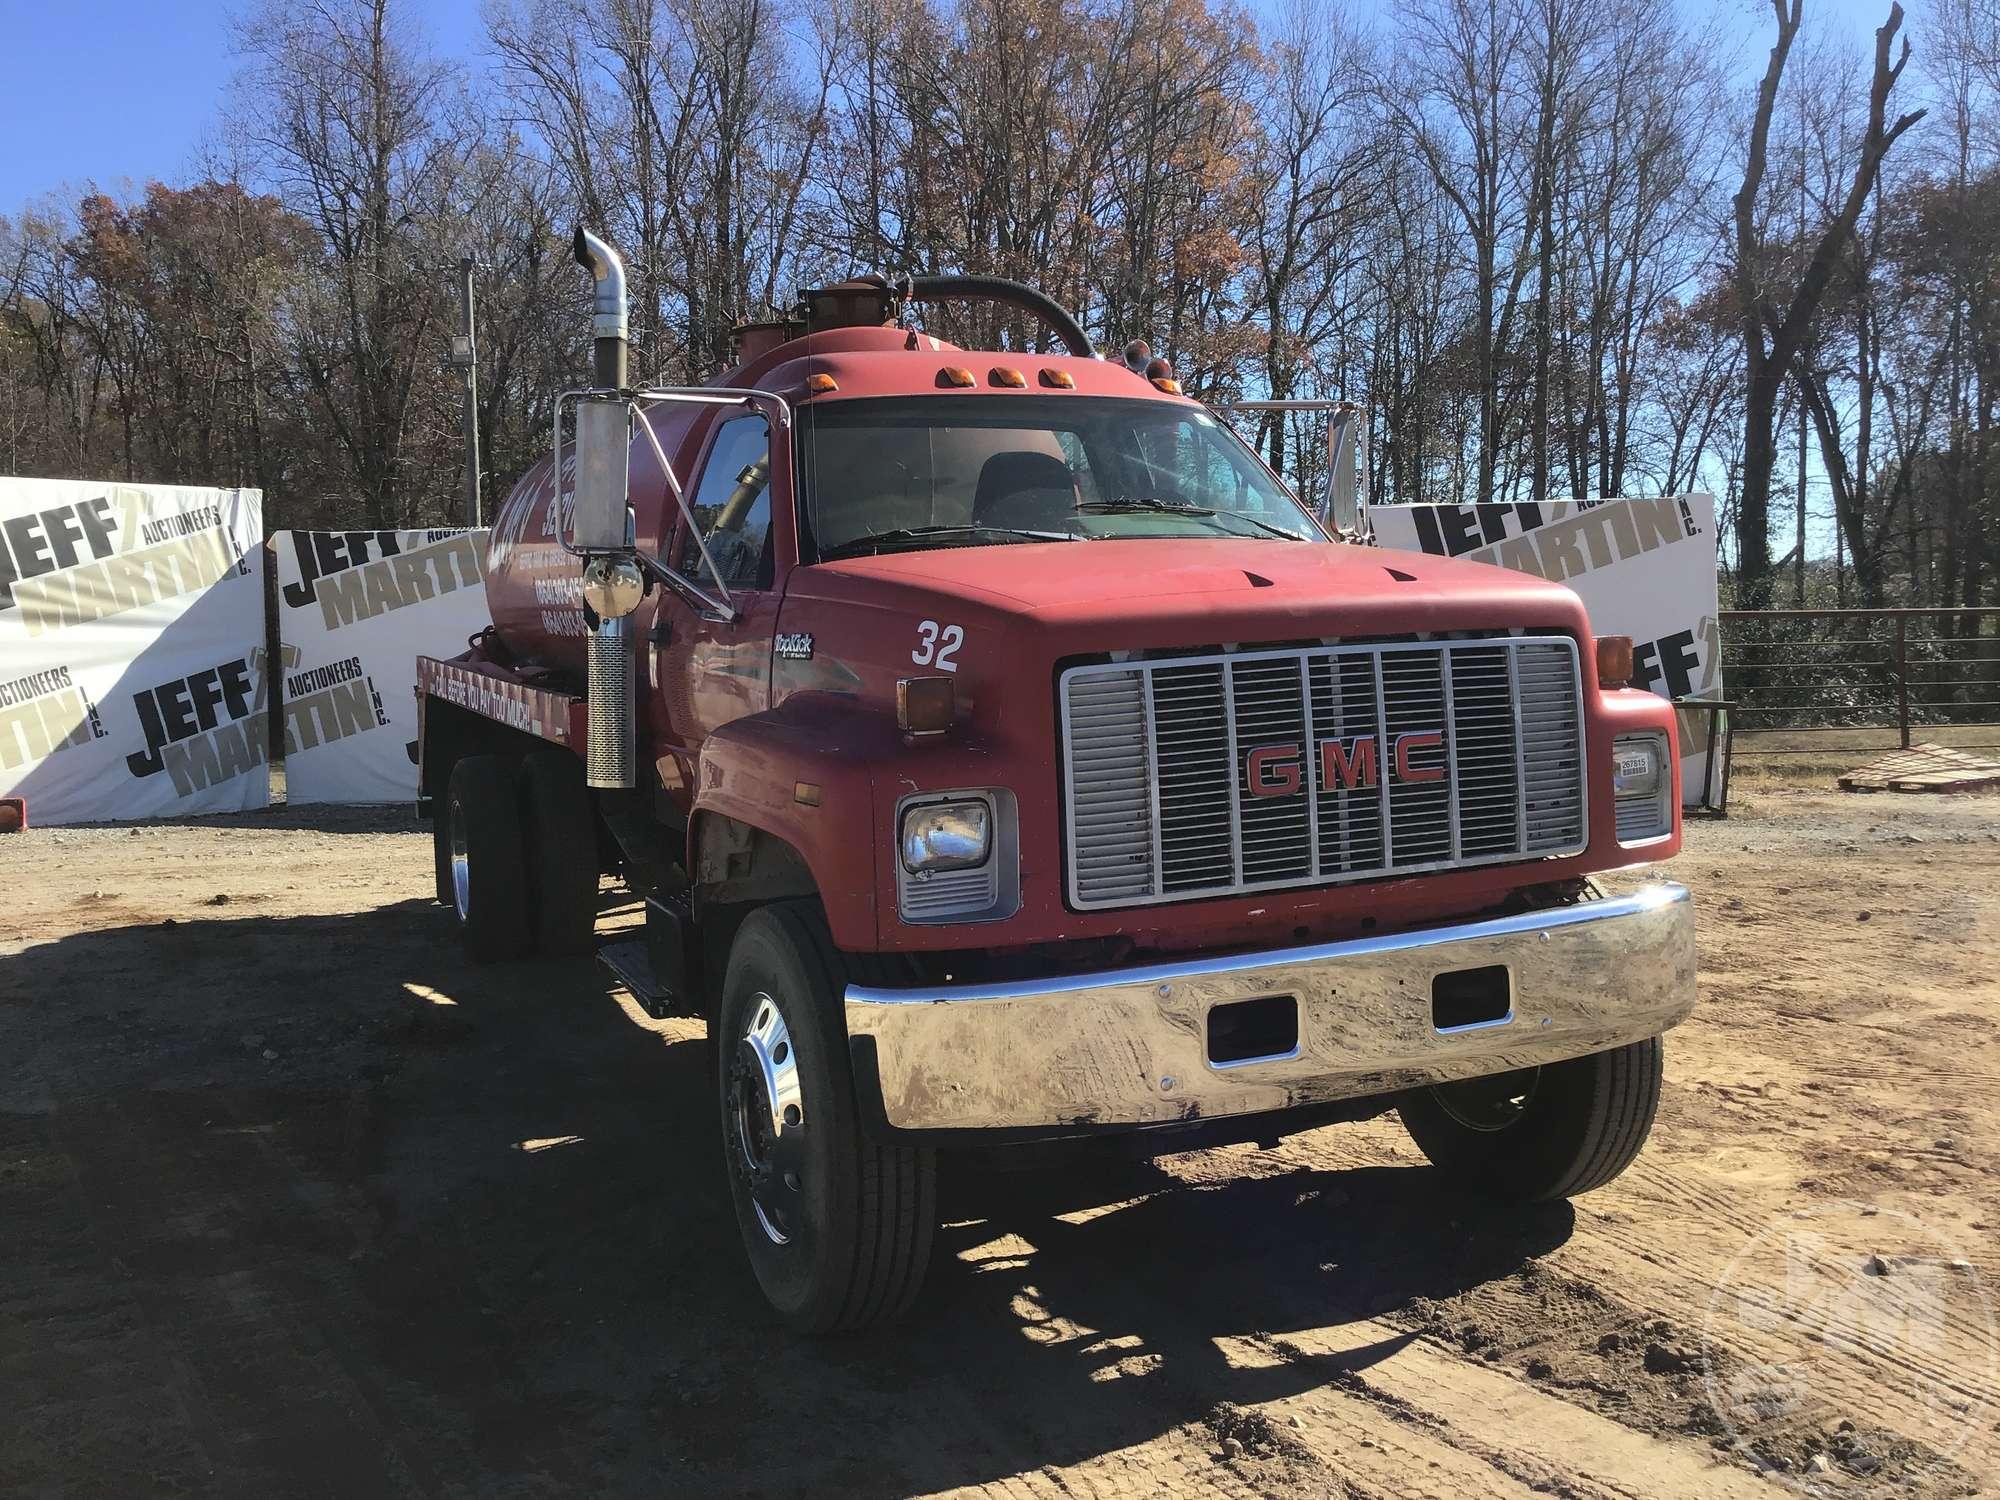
(633, 968)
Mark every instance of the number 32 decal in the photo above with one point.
(938, 645)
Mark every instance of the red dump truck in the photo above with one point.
(1005, 756)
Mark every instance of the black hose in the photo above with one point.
(997, 289)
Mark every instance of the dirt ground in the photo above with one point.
(295, 1201)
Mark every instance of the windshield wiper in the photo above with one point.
(1265, 526)
(1113, 504)
(875, 540)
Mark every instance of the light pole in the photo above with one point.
(465, 356)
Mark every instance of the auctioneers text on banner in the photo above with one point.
(132, 671)
(355, 610)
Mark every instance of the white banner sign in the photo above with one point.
(132, 679)
(1643, 568)
(355, 610)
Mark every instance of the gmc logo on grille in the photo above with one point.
(1346, 765)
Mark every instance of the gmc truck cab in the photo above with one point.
(1005, 756)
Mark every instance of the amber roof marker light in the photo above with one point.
(956, 375)
(1060, 380)
(819, 385)
(1002, 375)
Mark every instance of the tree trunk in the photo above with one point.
(1753, 505)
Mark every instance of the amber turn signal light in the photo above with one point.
(1062, 380)
(955, 375)
(925, 705)
(819, 384)
(1614, 661)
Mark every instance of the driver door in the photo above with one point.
(706, 669)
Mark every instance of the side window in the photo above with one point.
(732, 507)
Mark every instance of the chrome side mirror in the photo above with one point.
(1343, 452)
(600, 515)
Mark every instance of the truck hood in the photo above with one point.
(1200, 590)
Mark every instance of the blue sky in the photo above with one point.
(106, 90)
(110, 90)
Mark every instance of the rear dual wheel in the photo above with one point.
(482, 862)
(559, 839)
(515, 851)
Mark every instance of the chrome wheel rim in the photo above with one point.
(1488, 1104)
(767, 1116)
(461, 864)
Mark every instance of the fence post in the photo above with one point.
(1903, 678)
(274, 661)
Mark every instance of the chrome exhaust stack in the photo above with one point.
(610, 757)
(601, 526)
(609, 322)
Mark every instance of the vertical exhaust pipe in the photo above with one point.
(612, 584)
(610, 757)
(608, 319)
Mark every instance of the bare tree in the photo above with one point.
(360, 139)
(1492, 220)
(1774, 322)
(1318, 149)
(1457, 103)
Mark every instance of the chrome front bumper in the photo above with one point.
(1130, 1046)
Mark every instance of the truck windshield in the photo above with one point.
(952, 471)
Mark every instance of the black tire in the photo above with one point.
(441, 850)
(482, 809)
(559, 834)
(1542, 1133)
(848, 1245)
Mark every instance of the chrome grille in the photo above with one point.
(947, 893)
(1253, 770)
(1638, 818)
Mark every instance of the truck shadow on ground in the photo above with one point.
(479, 1223)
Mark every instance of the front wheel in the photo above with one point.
(837, 1227)
(1541, 1133)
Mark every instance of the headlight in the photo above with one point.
(946, 836)
(1636, 766)
(1640, 780)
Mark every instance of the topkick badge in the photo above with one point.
(357, 609)
(129, 615)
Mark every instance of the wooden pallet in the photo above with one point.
(1923, 768)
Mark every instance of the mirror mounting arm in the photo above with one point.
(722, 606)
